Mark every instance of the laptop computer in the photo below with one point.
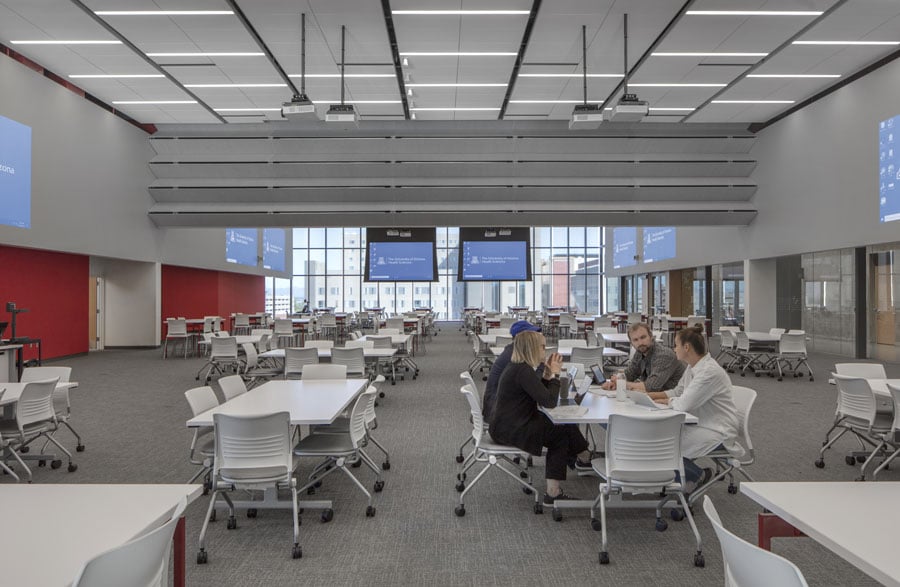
(642, 399)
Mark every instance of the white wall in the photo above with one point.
(760, 295)
(131, 298)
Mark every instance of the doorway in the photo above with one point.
(883, 285)
(95, 313)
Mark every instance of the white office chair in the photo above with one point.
(643, 455)
(318, 344)
(492, 454)
(295, 359)
(353, 358)
(232, 386)
(241, 324)
(61, 404)
(390, 331)
(587, 356)
(252, 453)
(203, 449)
(324, 371)
(176, 331)
(792, 354)
(727, 343)
(253, 372)
(142, 562)
(468, 380)
(341, 425)
(355, 343)
(891, 438)
(223, 356)
(747, 565)
(864, 370)
(284, 333)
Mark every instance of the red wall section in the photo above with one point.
(54, 288)
(194, 293)
(241, 293)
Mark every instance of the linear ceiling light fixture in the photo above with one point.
(753, 12)
(458, 54)
(461, 12)
(848, 43)
(136, 102)
(678, 85)
(116, 75)
(163, 12)
(795, 75)
(71, 42)
(457, 109)
(333, 75)
(455, 85)
(206, 54)
(612, 75)
(235, 85)
(752, 102)
(705, 54)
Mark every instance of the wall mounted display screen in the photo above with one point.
(273, 248)
(15, 173)
(488, 254)
(659, 243)
(889, 169)
(400, 255)
(624, 246)
(240, 246)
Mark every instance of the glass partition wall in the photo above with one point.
(328, 263)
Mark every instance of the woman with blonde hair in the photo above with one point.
(518, 422)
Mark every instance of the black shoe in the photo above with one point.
(563, 496)
(707, 475)
(583, 466)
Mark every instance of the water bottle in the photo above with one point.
(620, 386)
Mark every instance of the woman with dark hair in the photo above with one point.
(704, 391)
(518, 422)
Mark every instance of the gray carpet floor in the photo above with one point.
(130, 410)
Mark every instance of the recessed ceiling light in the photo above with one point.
(454, 85)
(134, 102)
(846, 42)
(162, 12)
(795, 75)
(76, 42)
(199, 54)
(705, 54)
(615, 75)
(454, 109)
(458, 54)
(115, 75)
(677, 85)
(754, 12)
(235, 85)
(462, 12)
(753, 101)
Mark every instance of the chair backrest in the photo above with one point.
(507, 322)
(296, 358)
(574, 343)
(232, 386)
(318, 344)
(223, 347)
(40, 373)
(855, 398)
(742, 341)
(503, 340)
(353, 358)
(264, 342)
(389, 331)
(365, 404)
(284, 326)
(241, 320)
(587, 355)
(644, 450)
(246, 444)
(744, 398)
(471, 396)
(209, 324)
(748, 565)
(396, 323)
(381, 342)
(895, 401)
(864, 370)
(176, 327)
(359, 344)
(634, 317)
(794, 344)
(251, 355)
(607, 330)
(36, 402)
(143, 561)
(324, 371)
(727, 339)
(777, 331)
(468, 380)
(201, 399)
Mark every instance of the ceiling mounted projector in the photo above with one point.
(343, 113)
(299, 108)
(586, 117)
(629, 109)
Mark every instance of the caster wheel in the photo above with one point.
(380, 394)
(527, 491)
(379, 485)
(557, 515)
(860, 459)
(297, 552)
(212, 516)
(484, 378)
(42, 463)
(319, 483)
(529, 463)
(811, 379)
(460, 458)
(517, 460)
(675, 514)
(79, 448)
(25, 449)
(820, 463)
(327, 515)
(232, 522)
(661, 525)
(699, 561)
(850, 461)
(604, 558)
(251, 513)
(460, 486)
(460, 510)
(538, 508)
(523, 474)
(460, 476)
(732, 489)
(356, 465)
(310, 491)
(370, 511)
(386, 466)
(779, 379)
(202, 559)
(596, 526)
(72, 468)
(55, 464)
(393, 382)
(743, 374)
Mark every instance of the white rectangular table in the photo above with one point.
(13, 391)
(856, 521)
(879, 386)
(615, 338)
(368, 353)
(52, 529)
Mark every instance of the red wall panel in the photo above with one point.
(194, 293)
(54, 288)
(241, 293)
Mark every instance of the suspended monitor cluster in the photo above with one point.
(15, 173)
(889, 169)
(659, 243)
(240, 246)
(273, 249)
(494, 254)
(624, 246)
(405, 254)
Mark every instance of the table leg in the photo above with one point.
(179, 552)
(771, 526)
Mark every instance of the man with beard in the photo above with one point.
(653, 367)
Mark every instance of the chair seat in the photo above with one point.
(254, 475)
(487, 444)
(633, 478)
(329, 444)
(10, 428)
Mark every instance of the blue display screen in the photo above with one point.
(401, 261)
(15, 173)
(659, 243)
(889, 169)
(624, 246)
(240, 246)
(493, 260)
(273, 248)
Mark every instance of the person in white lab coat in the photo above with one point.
(704, 391)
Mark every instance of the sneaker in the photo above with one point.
(707, 475)
(563, 496)
(583, 466)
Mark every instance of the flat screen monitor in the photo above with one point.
(400, 255)
(624, 246)
(889, 169)
(15, 173)
(494, 255)
(240, 246)
(659, 243)
(273, 248)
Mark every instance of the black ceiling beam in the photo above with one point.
(520, 57)
(262, 45)
(765, 59)
(395, 54)
(109, 28)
